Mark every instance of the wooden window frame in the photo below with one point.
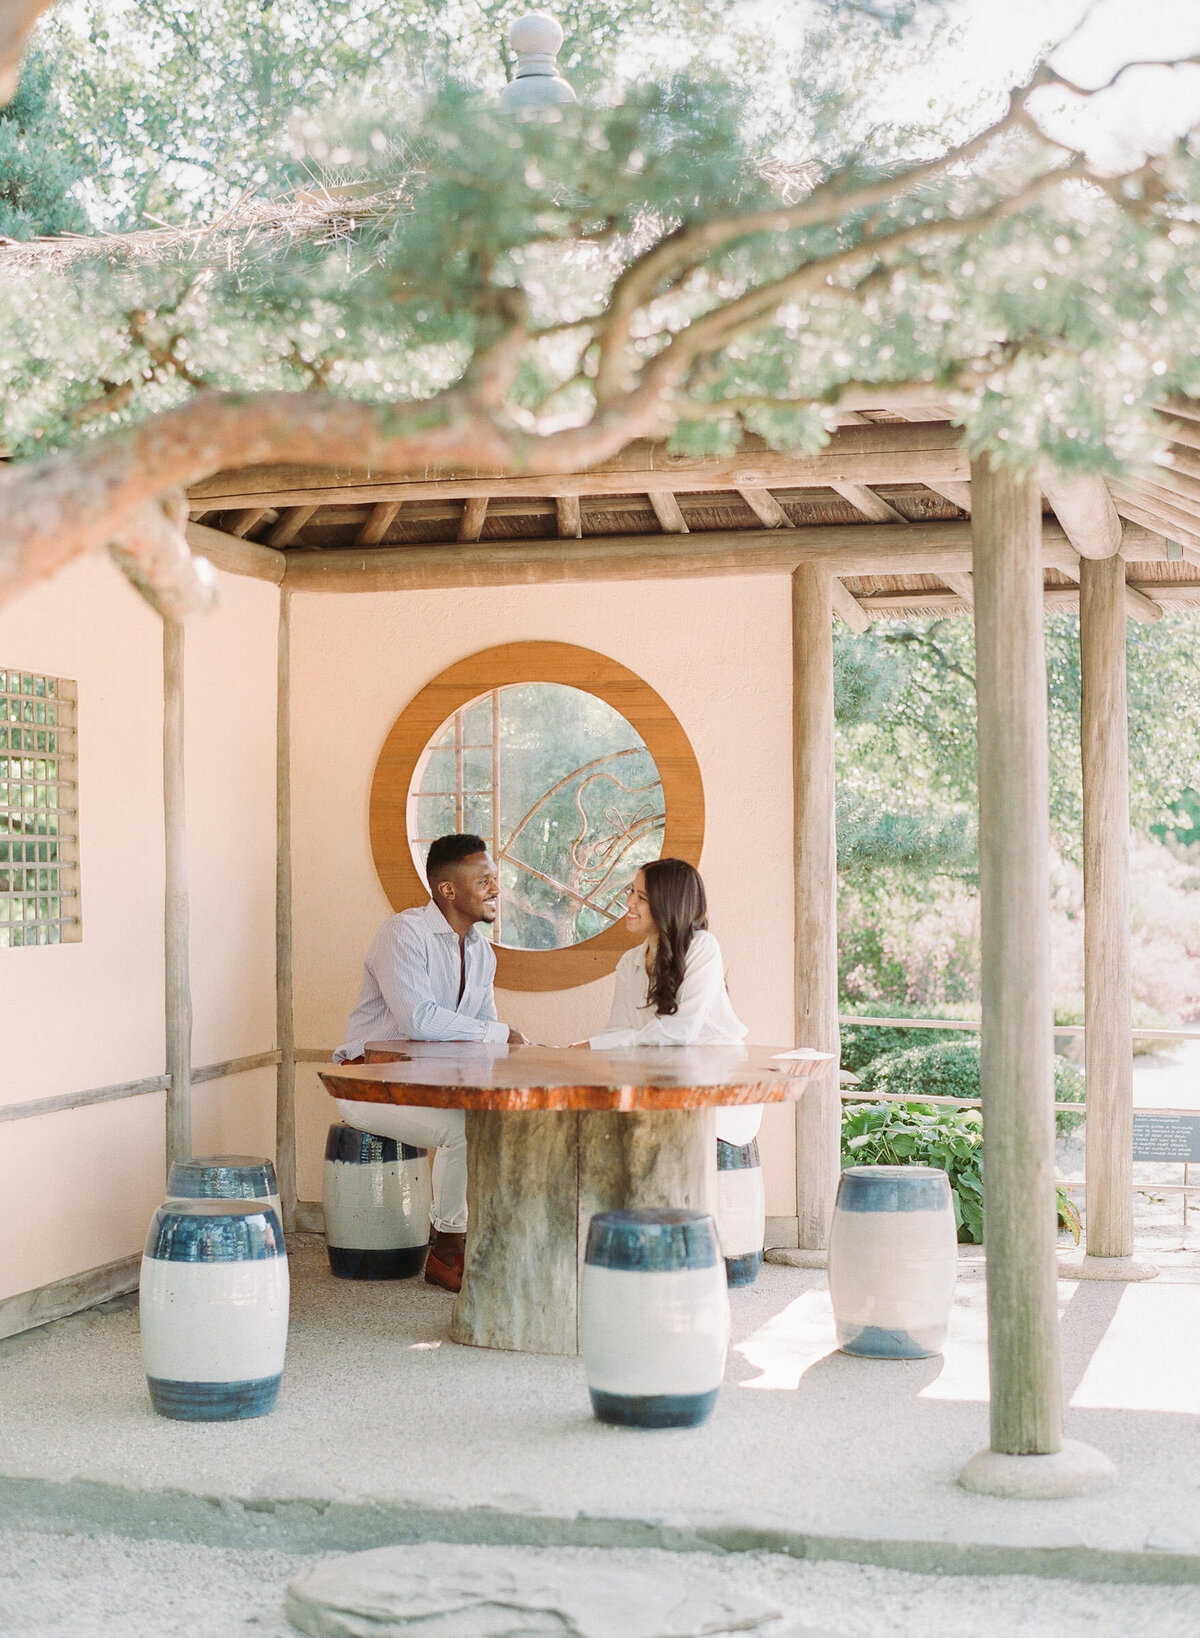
(45, 710)
(503, 667)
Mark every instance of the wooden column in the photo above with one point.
(1108, 1002)
(175, 921)
(1017, 1078)
(285, 1086)
(819, 1112)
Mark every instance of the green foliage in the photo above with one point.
(906, 724)
(863, 1043)
(1183, 826)
(950, 1069)
(916, 1134)
(180, 107)
(869, 837)
(921, 717)
(37, 184)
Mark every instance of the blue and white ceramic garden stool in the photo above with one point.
(377, 1205)
(741, 1210)
(224, 1177)
(214, 1309)
(653, 1317)
(893, 1260)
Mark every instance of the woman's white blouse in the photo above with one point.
(704, 1016)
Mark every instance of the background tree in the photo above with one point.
(532, 294)
(38, 182)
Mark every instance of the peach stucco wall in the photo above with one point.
(718, 651)
(78, 1187)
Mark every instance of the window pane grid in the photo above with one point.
(39, 873)
(565, 792)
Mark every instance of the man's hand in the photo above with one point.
(515, 1038)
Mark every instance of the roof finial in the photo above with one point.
(537, 82)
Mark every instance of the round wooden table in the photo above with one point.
(597, 1131)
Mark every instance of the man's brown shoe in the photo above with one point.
(444, 1264)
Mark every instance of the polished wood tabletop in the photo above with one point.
(470, 1075)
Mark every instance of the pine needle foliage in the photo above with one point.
(38, 182)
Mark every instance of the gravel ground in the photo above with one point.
(71, 1586)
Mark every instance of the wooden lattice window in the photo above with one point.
(39, 872)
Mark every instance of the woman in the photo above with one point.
(671, 988)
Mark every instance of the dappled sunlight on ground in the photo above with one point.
(1141, 1354)
(1149, 1356)
(795, 1338)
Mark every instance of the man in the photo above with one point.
(428, 977)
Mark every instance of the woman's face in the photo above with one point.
(638, 919)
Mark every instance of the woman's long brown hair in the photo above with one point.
(680, 909)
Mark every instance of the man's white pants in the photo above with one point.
(443, 1130)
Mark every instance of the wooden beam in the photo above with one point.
(847, 607)
(77, 1292)
(1108, 983)
(1153, 515)
(1016, 1069)
(240, 522)
(1182, 493)
(288, 525)
(378, 523)
(1141, 602)
(1084, 507)
(473, 514)
(285, 1028)
(904, 604)
(878, 454)
(1142, 606)
(962, 584)
(177, 986)
(666, 510)
(1164, 594)
(765, 508)
(869, 503)
(912, 604)
(844, 549)
(570, 518)
(958, 494)
(234, 556)
(819, 1112)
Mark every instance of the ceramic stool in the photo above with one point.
(741, 1210)
(214, 1309)
(653, 1317)
(377, 1205)
(224, 1177)
(893, 1261)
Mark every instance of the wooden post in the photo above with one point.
(1017, 1067)
(819, 1112)
(285, 1084)
(1108, 994)
(178, 996)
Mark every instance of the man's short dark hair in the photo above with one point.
(448, 851)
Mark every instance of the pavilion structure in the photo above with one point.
(891, 520)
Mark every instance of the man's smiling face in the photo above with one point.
(475, 887)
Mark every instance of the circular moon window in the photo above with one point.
(573, 771)
(565, 793)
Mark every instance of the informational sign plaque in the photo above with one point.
(1166, 1137)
